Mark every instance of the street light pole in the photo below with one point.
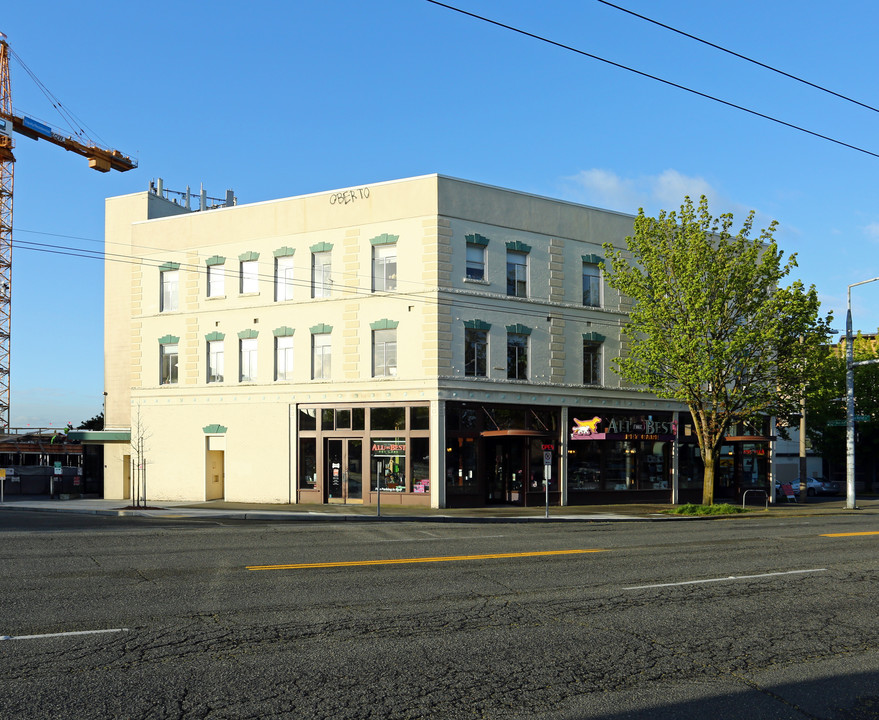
(850, 401)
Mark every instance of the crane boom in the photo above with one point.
(100, 159)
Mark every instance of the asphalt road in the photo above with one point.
(735, 618)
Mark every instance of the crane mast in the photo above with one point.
(100, 159)
(7, 160)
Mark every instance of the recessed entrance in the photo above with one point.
(343, 476)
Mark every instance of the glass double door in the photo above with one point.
(344, 470)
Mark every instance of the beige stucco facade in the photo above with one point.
(240, 439)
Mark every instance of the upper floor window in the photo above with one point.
(592, 344)
(384, 352)
(476, 351)
(216, 281)
(215, 361)
(284, 357)
(321, 270)
(169, 300)
(517, 273)
(384, 268)
(475, 262)
(475, 258)
(284, 278)
(247, 365)
(321, 356)
(591, 281)
(249, 276)
(517, 356)
(168, 363)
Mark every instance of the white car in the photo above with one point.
(813, 487)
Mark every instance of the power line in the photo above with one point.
(453, 300)
(654, 77)
(742, 57)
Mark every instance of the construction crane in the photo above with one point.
(100, 159)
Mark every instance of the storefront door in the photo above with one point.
(344, 470)
(508, 471)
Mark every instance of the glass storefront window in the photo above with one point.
(307, 463)
(461, 467)
(419, 458)
(343, 419)
(419, 418)
(689, 466)
(387, 418)
(358, 418)
(307, 419)
(327, 419)
(388, 464)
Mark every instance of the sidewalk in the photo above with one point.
(337, 513)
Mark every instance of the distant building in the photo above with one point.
(446, 342)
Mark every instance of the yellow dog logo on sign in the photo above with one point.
(587, 427)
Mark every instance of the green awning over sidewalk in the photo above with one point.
(99, 436)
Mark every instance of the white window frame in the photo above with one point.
(321, 356)
(594, 275)
(384, 352)
(520, 273)
(169, 290)
(321, 274)
(247, 354)
(384, 268)
(475, 263)
(249, 277)
(169, 361)
(284, 278)
(284, 357)
(517, 347)
(597, 364)
(468, 332)
(216, 281)
(216, 361)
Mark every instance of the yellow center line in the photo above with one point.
(872, 532)
(405, 561)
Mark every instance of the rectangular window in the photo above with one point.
(517, 273)
(284, 278)
(384, 268)
(517, 356)
(247, 367)
(591, 285)
(321, 356)
(384, 353)
(215, 361)
(475, 262)
(170, 290)
(216, 280)
(475, 352)
(321, 269)
(168, 364)
(591, 363)
(284, 358)
(249, 276)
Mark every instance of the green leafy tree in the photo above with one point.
(710, 326)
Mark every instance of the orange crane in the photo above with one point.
(100, 159)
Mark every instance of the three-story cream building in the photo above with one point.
(440, 341)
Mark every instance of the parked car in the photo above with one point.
(814, 487)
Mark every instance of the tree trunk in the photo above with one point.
(709, 459)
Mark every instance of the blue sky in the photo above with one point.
(275, 99)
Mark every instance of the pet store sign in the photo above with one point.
(623, 428)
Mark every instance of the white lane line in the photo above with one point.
(61, 634)
(724, 579)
